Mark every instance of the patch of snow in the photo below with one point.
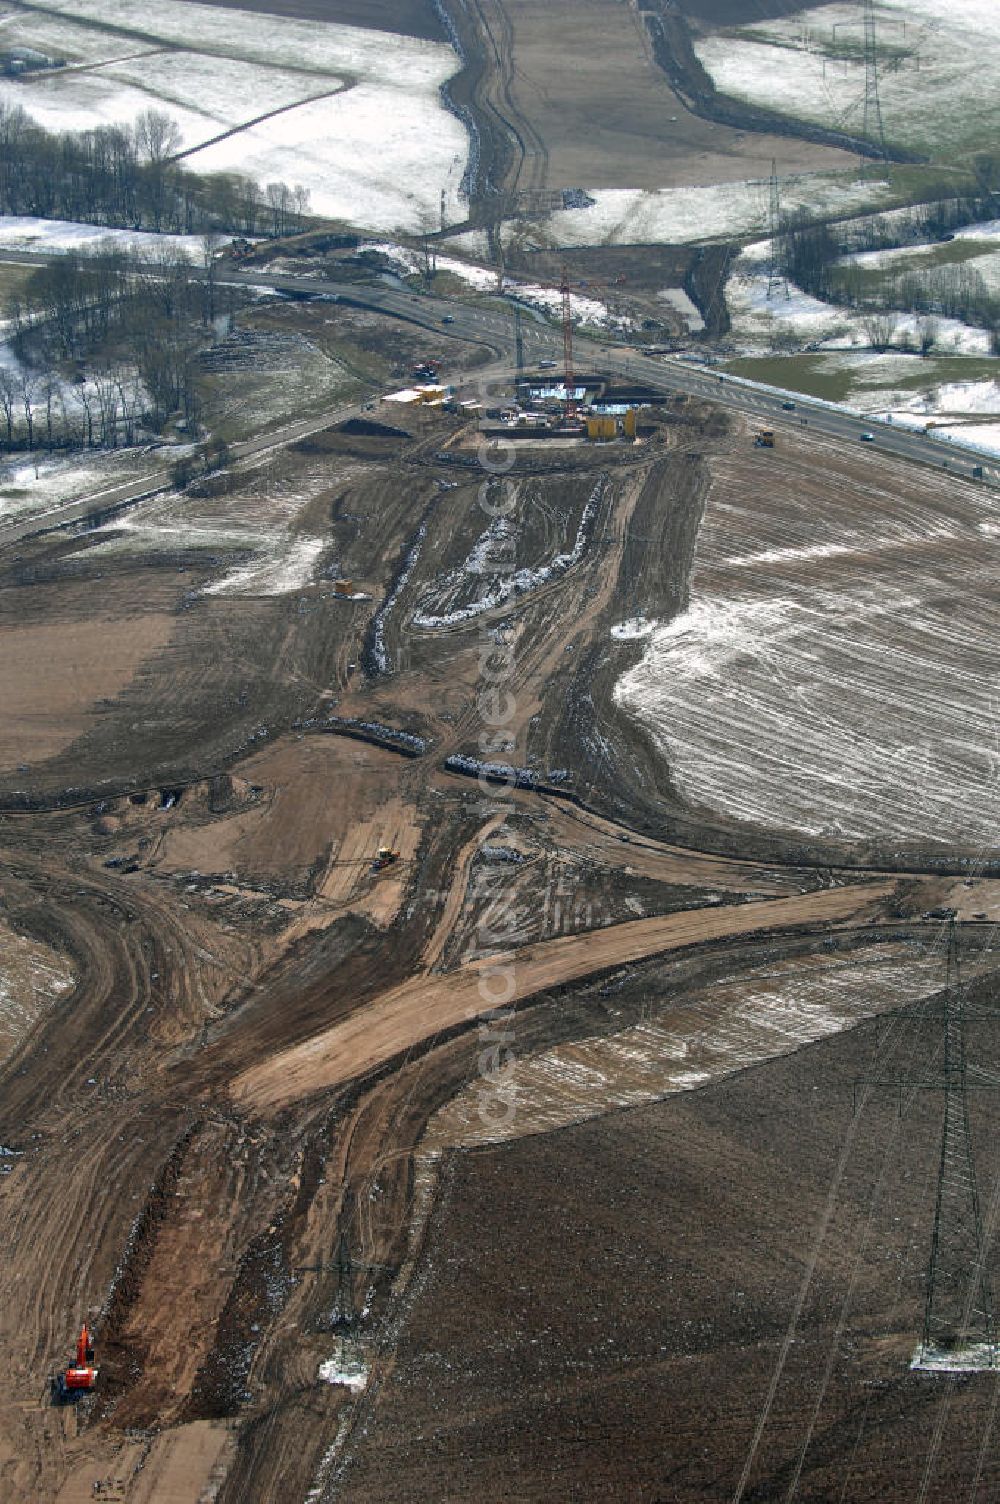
(519, 582)
(22, 232)
(547, 300)
(973, 1358)
(790, 311)
(351, 1374)
(289, 567)
(35, 487)
(379, 652)
(413, 263)
(633, 628)
(682, 304)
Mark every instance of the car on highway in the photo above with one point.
(546, 365)
(788, 407)
(447, 319)
(867, 438)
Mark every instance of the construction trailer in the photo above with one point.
(604, 426)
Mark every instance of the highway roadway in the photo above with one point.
(493, 327)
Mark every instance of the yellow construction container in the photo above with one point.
(343, 587)
(630, 423)
(593, 428)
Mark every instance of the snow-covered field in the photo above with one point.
(835, 672)
(939, 74)
(681, 216)
(758, 319)
(30, 487)
(22, 232)
(979, 246)
(742, 1020)
(377, 153)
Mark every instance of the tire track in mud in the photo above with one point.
(482, 96)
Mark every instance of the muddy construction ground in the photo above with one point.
(338, 1234)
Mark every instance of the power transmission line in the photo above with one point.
(873, 129)
(959, 1325)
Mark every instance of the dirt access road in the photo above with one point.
(404, 1019)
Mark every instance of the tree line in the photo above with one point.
(128, 176)
(107, 342)
(815, 257)
(107, 346)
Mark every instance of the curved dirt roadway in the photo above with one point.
(407, 1016)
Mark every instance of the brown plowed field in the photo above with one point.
(549, 80)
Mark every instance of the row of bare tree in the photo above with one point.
(132, 177)
(817, 259)
(106, 345)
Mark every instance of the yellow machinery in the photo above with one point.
(601, 428)
(384, 858)
(764, 439)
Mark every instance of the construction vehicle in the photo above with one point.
(385, 857)
(81, 1376)
(764, 439)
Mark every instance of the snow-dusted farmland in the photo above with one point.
(741, 1020)
(835, 672)
(355, 116)
(976, 247)
(940, 69)
(681, 216)
(758, 316)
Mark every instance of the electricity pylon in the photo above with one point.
(959, 1326)
(873, 130)
(775, 277)
(345, 1315)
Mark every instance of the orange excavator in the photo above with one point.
(81, 1376)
